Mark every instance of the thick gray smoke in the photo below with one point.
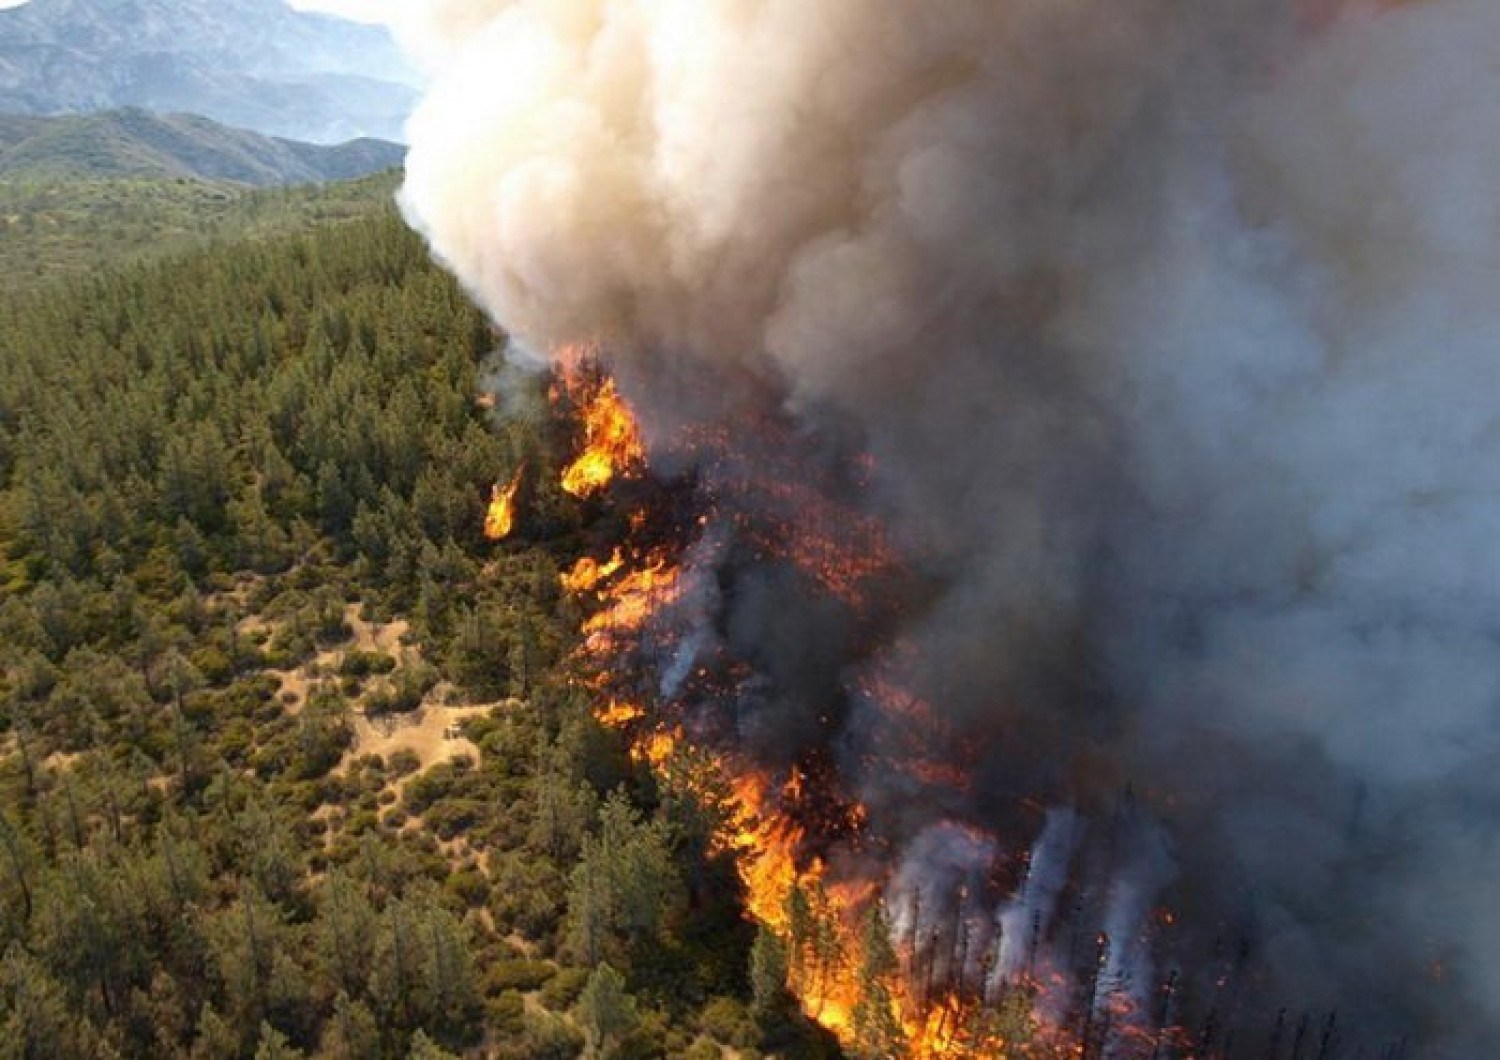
(1174, 329)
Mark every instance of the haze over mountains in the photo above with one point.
(135, 143)
(256, 64)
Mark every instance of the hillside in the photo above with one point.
(293, 762)
(256, 64)
(134, 143)
(52, 230)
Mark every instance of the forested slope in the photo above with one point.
(52, 229)
(136, 143)
(291, 762)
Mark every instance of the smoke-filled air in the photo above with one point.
(1146, 353)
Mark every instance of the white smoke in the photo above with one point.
(1025, 919)
(1173, 328)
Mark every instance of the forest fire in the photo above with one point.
(632, 599)
(500, 517)
(631, 587)
(611, 439)
(1091, 448)
(588, 572)
(956, 943)
(864, 955)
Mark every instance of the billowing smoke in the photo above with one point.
(1171, 327)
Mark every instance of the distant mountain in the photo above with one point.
(134, 143)
(256, 64)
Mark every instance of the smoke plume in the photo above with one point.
(1171, 327)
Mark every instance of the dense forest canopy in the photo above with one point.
(53, 229)
(292, 763)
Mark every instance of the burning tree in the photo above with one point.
(500, 517)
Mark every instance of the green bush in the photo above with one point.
(403, 762)
(216, 667)
(469, 886)
(518, 974)
(727, 1020)
(505, 1014)
(359, 663)
(563, 989)
(547, 1037)
(453, 817)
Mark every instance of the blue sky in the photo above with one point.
(363, 10)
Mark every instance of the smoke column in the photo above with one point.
(1173, 330)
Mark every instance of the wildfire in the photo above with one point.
(616, 714)
(788, 891)
(500, 519)
(818, 915)
(633, 599)
(934, 984)
(657, 747)
(588, 573)
(611, 439)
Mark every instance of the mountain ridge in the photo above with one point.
(257, 64)
(131, 142)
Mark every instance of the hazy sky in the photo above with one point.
(364, 10)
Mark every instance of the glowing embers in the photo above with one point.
(611, 438)
(631, 590)
(909, 738)
(794, 510)
(500, 517)
(840, 549)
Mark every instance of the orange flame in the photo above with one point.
(611, 442)
(633, 599)
(817, 912)
(616, 714)
(500, 519)
(656, 748)
(768, 846)
(588, 573)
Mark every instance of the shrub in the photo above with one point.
(564, 987)
(727, 1020)
(549, 1037)
(364, 663)
(505, 1013)
(403, 762)
(215, 666)
(470, 887)
(518, 974)
(452, 817)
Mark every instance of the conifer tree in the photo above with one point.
(606, 1011)
(877, 1029)
(768, 973)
